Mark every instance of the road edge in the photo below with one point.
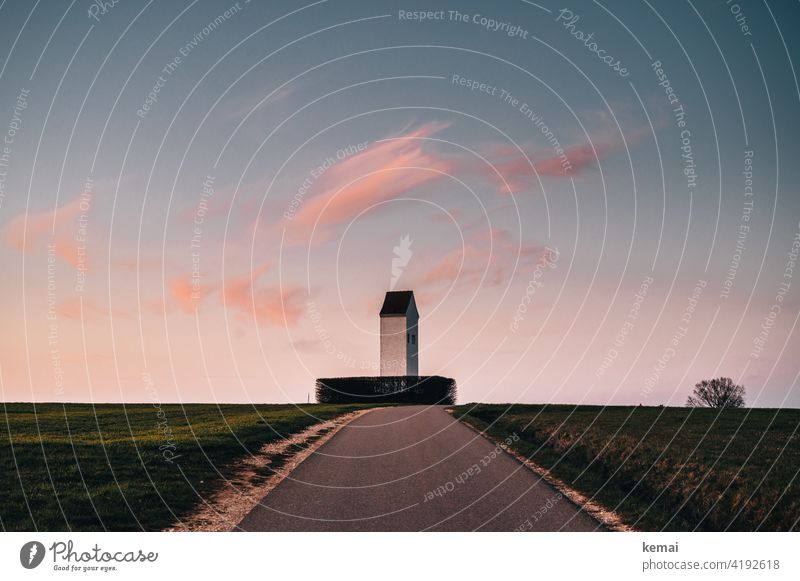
(605, 516)
(225, 508)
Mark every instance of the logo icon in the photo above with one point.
(31, 554)
(402, 254)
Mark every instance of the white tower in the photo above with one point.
(399, 334)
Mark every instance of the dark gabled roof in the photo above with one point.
(396, 303)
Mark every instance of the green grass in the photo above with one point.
(665, 468)
(107, 467)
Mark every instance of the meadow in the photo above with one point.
(659, 468)
(84, 467)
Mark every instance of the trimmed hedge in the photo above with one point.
(420, 389)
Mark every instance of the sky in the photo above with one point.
(206, 201)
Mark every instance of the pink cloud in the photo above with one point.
(390, 168)
(28, 232)
(251, 302)
(239, 289)
(279, 306)
(384, 170)
(579, 158)
(488, 256)
(187, 294)
(518, 170)
(265, 304)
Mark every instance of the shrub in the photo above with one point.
(422, 389)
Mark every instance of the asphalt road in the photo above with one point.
(408, 469)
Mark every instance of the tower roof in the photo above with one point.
(396, 303)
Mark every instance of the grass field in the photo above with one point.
(665, 468)
(136, 467)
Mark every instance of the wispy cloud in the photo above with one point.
(244, 296)
(187, 294)
(516, 171)
(391, 167)
(488, 257)
(31, 231)
(384, 170)
(262, 304)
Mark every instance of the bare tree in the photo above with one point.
(717, 393)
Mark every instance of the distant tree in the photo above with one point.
(717, 393)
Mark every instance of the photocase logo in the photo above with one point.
(31, 554)
(402, 254)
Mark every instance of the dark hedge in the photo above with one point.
(422, 389)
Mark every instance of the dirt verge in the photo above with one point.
(606, 516)
(245, 488)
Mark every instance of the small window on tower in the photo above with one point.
(413, 339)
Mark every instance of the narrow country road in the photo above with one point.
(412, 469)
